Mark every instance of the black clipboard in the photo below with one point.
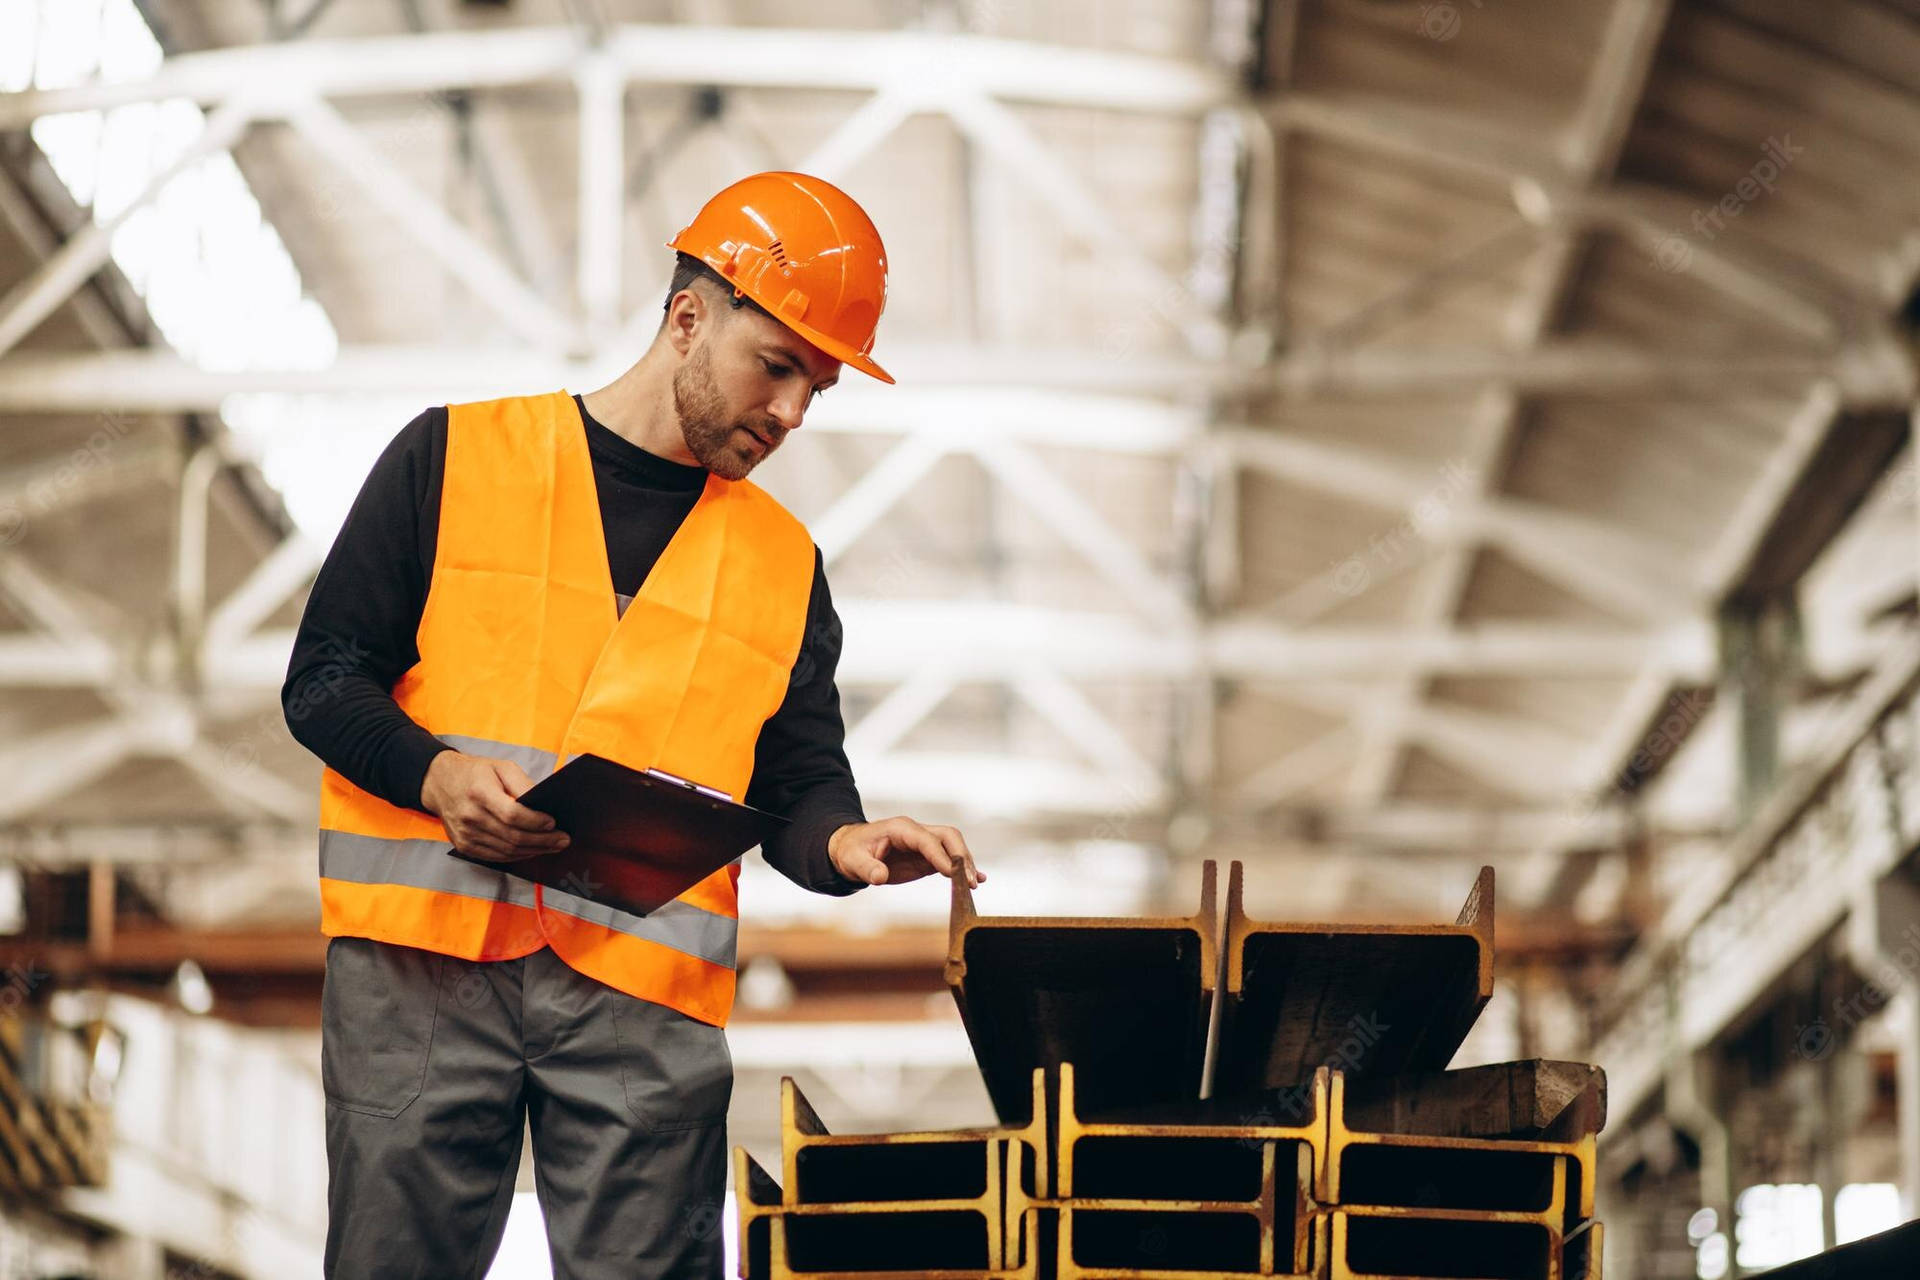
(638, 838)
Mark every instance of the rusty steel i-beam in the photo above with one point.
(1127, 1001)
(1366, 999)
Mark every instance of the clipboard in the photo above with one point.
(638, 838)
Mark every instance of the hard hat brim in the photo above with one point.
(840, 351)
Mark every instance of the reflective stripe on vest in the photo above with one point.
(426, 864)
(524, 656)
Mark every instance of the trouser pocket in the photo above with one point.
(378, 1009)
(677, 1071)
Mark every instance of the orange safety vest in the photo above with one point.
(525, 655)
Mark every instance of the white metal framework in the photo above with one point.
(994, 407)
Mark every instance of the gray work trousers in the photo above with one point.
(434, 1068)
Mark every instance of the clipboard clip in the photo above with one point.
(689, 784)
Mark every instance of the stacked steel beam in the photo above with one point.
(52, 1135)
(953, 1202)
(1510, 1204)
(1314, 1132)
(1191, 1194)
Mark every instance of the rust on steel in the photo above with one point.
(1372, 1244)
(1367, 999)
(1548, 1182)
(1220, 1194)
(1535, 1098)
(1127, 1001)
(906, 1202)
(1333, 1144)
(859, 1235)
(779, 1263)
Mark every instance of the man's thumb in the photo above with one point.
(859, 864)
(512, 777)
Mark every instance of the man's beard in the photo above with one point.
(709, 433)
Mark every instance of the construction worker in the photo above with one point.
(522, 581)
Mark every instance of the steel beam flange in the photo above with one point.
(1557, 1176)
(1364, 999)
(1535, 1098)
(1580, 1257)
(766, 1249)
(1127, 1001)
(1379, 1244)
(939, 1181)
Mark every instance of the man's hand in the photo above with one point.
(896, 850)
(473, 796)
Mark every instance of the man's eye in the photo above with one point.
(774, 370)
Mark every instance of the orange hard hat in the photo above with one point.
(802, 249)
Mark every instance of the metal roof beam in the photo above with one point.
(1003, 785)
(1605, 563)
(74, 262)
(159, 382)
(602, 186)
(519, 308)
(750, 57)
(1591, 148)
(1086, 529)
(1438, 594)
(888, 641)
(1260, 651)
(1625, 734)
(1298, 770)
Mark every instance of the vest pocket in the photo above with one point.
(676, 1071)
(378, 1007)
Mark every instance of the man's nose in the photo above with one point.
(788, 409)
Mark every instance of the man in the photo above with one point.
(526, 580)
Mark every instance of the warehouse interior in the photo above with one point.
(1361, 440)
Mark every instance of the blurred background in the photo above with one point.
(1366, 439)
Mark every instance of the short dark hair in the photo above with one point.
(687, 269)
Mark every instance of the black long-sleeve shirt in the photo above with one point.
(358, 637)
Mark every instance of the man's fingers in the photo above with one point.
(518, 839)
(942, 847)
(956, 847)
(898, 850)
(910, 835)
(521, 823)
(518, 829)
(510, 846)
(487, 847)
(508, 812)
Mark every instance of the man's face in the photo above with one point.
(747, 381)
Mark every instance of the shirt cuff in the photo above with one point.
(408, 758)
(828, 878)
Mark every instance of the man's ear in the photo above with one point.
(687, 314)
